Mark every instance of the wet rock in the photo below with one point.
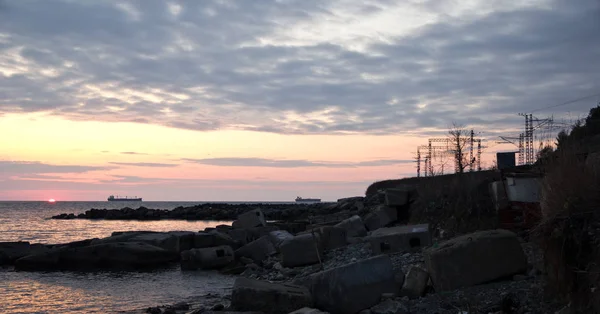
(154, 310)
(11, 251)
(207, 258)
(218, 307)
(181, 306)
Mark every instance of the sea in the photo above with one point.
(102, 291)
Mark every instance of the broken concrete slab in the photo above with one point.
(253, 218)
(277, 237)
(207, 258)
(381, 217)
(354, 287)
(400, 239)
(291, 227)
(330, 237)
(396, 197)
(415, 283)
(270, 298)
(474, 259)
(257, 250)
(212, 239)
(247, 235)
(354, 226)
(301, 250)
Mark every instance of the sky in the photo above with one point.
(233, 100)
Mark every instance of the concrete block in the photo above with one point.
(399, 239)
(270, 298)
(207, 258)
(382, 217)
(257, 250)
(354, 226)
(186, 239)
(247, 235)
(165, 241)
(396, 197)
(354, 287)
(212, 239)
(253, 218)
(330, 237)
(474, 259)
(415, 283)
(291, 227)
(277, 237)
(301, 250)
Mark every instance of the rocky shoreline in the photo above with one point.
(355, 256)
(216, 212)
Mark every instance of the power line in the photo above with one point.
(568, 102)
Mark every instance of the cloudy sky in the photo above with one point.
(270, 99)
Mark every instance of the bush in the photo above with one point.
(570, 229)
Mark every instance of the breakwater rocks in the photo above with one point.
(219, 211)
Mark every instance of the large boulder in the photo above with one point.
(121, 255)
(212, 239)
(354, 287)
(254, 295)
(474, 259)
(301, 250)
(207, 258)
(13, 251)
(186, 239)
(257, 250)
(400, 239)
(169, 242)
(354, 226)
(381, 217)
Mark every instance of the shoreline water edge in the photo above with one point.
(359, 254)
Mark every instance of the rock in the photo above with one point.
(396, 197)
(207, 258)
(308, 310)
(301, 250)
(154, 310)
(353, 287)
(399, 278)
(253, 218)
(519, 277)
(11, 251)
(123, 255)
(332, 237)
(245, 236)
(415, 283)
(354, 226)
(475, 258)
(257, 250)
(180, 306)
(254, 295)
(277, 237)
(212, 239)
(399, 239)
(246, 260)
(389, 307)
(186, 239)
(217, 307)
(291, 227)
(166, 241)
(381, 217)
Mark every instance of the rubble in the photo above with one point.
(474, 259)
(254, 295)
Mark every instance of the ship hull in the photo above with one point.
(125, 200)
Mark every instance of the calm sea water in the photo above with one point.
(99, 292)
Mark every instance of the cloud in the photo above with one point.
(338, 67)
(133, 153)
(143, 164)
(291, 163)
(34, 167)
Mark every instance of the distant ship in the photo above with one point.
(112, 198)
(307, 200)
